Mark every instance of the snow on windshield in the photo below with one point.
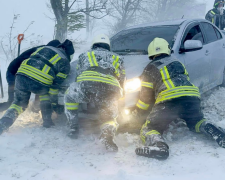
(139, 38)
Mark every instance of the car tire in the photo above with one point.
(223, 83)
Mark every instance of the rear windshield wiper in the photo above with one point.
(126, 51)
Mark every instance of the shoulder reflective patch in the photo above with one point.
(116, 64)
(213, 12)
(37, 51)
(92, 59)
(55, 59)
(166, 77)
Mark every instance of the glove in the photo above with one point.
(138, 116)
(133, 114)
(59, 109)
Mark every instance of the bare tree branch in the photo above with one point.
(72, 4)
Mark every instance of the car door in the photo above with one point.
(197, 62)
(217, 52)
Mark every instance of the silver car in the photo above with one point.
(197, 43)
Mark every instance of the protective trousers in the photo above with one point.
(105, 97)
(24, 86)
(186, 108)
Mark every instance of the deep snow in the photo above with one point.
(27, 151)
(30, 152)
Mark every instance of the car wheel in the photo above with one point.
(223, 83)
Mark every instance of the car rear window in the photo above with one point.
(139, 38)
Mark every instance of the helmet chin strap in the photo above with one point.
(156, 56)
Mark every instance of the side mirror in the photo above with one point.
(191, 45)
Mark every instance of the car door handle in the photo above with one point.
(223, 45)
(207, 52)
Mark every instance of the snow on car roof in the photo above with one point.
(164, 23)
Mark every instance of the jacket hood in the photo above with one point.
(54, 43)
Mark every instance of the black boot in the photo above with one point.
(107, 138)
(74, 131)
(46, 111)
(5, 123)
(216, 133)
(159, 150)
(47, 123)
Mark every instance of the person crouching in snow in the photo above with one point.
(165, 83)
(100, 80)
(41, 74)
(12, 70)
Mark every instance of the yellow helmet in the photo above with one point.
(158, 46)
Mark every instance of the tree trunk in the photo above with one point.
(87, 19)
(61, 30)
(61, 18)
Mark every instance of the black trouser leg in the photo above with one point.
(19, 104)
(108, 112)
(74, 95)
(10, 93)
(46, 110)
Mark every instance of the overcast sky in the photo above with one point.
(29, 10)
(37, 11)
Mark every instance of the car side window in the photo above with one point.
(218, 34)
(194, 34)
(210, 32)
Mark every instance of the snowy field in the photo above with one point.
(30, 152)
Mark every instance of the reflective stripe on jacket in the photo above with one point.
(164, 79)
(107, 68)
(43, 66)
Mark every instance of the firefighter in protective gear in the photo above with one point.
(165, 83)
(100, 78)
(41, 74)
(12, 69)
(217, 15)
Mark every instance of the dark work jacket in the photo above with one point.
(163, 79)
(46, 60)
(214, 17)
(15, 64)
(105, 60)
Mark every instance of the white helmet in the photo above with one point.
(102, 38)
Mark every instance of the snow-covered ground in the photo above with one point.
(30, 152)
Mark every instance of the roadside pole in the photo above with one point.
(2, 93)
(20, 38)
